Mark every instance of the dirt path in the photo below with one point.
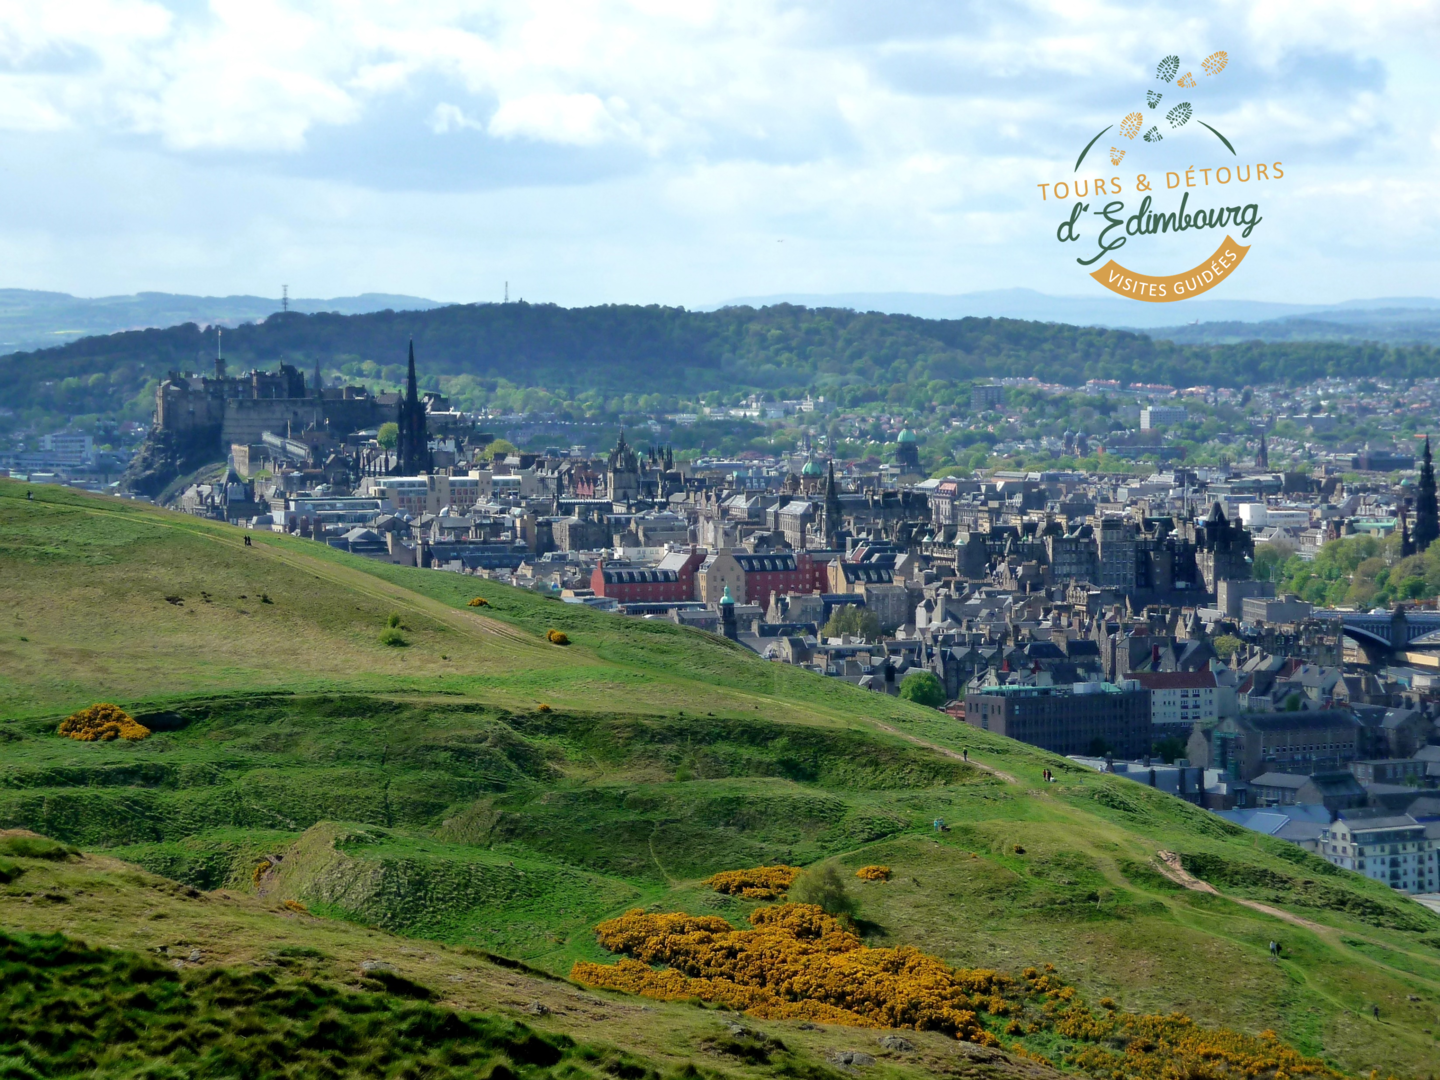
(1170, 866)
(957, 755)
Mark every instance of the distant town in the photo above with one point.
(1224, 595)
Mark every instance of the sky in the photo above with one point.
(685, 153)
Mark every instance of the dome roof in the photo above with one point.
(906, 435)
(811, 468)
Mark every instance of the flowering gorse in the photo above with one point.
(798, 963)
(102, 722)
(758, 883)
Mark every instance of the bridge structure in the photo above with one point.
(1394, 631)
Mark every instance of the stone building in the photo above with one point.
(1091, 718)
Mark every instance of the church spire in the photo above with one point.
(414, 444)
(411, 388)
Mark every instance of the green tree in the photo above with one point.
(923, 688)
(1226, 646)
(1169, 748)
(500, 448)
(852, 620)
(824, 887)
(388, 435)
(1269, 558)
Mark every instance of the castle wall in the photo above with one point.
(246, 419)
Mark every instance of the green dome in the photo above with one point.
(906, 435)
(811, 468)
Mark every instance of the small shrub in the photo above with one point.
(478, 601)
(825, 888)
(873, 873)
(1019, 850)
(757, 883)
(557, 637)
(296, 906)
(392, 637)
(1109, 1003)
(394, 621)
(102, 722)
(542, 707)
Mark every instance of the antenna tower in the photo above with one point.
(284, 297)
(507, 292)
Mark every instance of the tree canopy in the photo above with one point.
(923, 688)
(853, 356)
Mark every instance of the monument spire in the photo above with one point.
(1427, 513)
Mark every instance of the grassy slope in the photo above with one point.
(473, 818)
(233, 937)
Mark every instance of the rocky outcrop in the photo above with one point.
(165, 456)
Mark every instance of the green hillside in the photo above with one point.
(312, 799)
(575, 360)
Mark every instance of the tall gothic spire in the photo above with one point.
(1427, 513)
(413, 451)
(412, 394)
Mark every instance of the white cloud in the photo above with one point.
(912, 132)
(447, 118)
(571, 119)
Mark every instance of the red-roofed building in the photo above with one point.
(672, 579)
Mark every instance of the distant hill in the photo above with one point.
(1412, 326)
(1393, 318)
(647, 350)
(30, 319)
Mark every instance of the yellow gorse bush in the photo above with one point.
(102, 722)
(758, 883)
(1169, 1047)
(478, 601)
(873, 873)
(557, 637)
(796, 963)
